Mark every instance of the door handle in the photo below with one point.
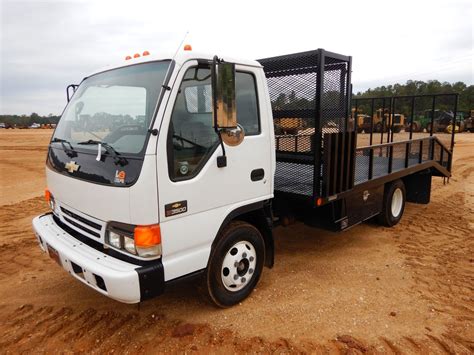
(257, 174)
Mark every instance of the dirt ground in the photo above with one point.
(407, 289)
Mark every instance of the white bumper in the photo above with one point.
(112, 277)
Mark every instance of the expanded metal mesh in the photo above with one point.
(305, 108)
(361, 166)
(334, 97)
(398, 160)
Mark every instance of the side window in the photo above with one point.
(247, 104)
(191, 136)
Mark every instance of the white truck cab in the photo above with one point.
(136, 193)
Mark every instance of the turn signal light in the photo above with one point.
(187, 47)
(147, 236)
(146, 53)
(136, 55)
(148, 240)
(319, 201)
(47, 195)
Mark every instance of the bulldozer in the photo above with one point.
(382, 121)
(469, 122)
(288, 125)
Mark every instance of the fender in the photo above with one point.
(259, 214)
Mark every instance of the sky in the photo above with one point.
(46, 45)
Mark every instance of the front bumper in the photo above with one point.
(121, 280)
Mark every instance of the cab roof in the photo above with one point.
(180, 58)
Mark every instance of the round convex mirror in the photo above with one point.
(233, 136)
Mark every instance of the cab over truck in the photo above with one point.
(167, 167)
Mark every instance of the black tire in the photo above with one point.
(387, 217)
(397, 129)
(234, 233)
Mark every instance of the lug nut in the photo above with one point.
(251, 258)
(244, 255)
(236, 277)
(250, 271)
(242, 279)
(236, 264)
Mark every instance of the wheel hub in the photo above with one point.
(397, 202)
(238, 266)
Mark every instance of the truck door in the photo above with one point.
(195, 195)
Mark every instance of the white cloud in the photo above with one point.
(47, 45)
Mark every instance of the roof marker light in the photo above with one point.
(128, 57)
(146, 53)
(187, 47)
(136, 55)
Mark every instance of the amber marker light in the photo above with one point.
(187, 47)
(136, 55)
(148, 240)
(128, 57)
(319, 201)
(146, 53)
(47, 195)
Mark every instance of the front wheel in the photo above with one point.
(235, 264)
(393, 204)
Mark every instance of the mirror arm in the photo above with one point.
(74, 88)
(221, 160)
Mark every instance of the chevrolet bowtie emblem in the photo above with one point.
(71, 166)
(176, 205)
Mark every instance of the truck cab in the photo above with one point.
(138, 189)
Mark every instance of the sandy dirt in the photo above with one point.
(407, 289)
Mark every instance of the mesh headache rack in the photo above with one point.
(310, 93)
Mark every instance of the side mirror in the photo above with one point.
(224, 107)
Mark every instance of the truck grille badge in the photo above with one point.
(72, 166)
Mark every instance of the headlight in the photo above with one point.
(129, 245)
(144, 241)
(115, 240)
(52, 203)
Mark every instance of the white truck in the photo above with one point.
(162, 168)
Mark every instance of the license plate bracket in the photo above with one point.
(53, 254)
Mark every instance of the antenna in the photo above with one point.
(182, 41)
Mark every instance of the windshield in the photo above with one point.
(115, 107)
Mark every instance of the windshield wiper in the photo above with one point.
(69, 151)
(117, 158)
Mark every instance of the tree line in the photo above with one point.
(417, 87)
(25, 120)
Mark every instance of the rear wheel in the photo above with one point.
(235, 264)
(393, 204)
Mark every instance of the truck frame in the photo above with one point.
(178, 191)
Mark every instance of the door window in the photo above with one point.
(191, 136)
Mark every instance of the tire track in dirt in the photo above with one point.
(439, 247)
(18, 247)
(46, 329)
